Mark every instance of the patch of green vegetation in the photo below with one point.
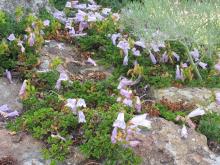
(167, 114)
(115, 4)
(95, 94)
(209, 125)
(45, 115)
(59, 4)
(97, 144)
(54, 24)
(44, 122)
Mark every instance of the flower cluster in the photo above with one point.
(7, 112)
(126, 96)
(187, 119)
(74, 105)
(125, 132)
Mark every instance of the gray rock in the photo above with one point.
(200, 96)
(163, 145)
(9, 93)
(31, 5)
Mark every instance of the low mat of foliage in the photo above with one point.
(45, 114)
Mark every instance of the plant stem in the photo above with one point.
(191, 61)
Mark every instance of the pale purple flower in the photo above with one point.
(176, 56)
(120, 121)
(114, 37)
(22, 91)
(184, 65)
(72, 32)
(196, 112)
(164, 58)
(134, 143)
(126, 93)
(81, 117)
(92, 2)
(98, 16)
(12, 114)
(114, 135)
(153, 59)
(75, 2)
(46, 22)
(8, 75)
(140, 43)
(179, 73)
(184, 132)
(68, 5)
(127, 102)
(80, 6)
(135, 52)
(161, 44)
(81, 103)
(93, 7)
(106, 11)
(155, 47)
(217, 67)
(20, 43)
(124, 83)
(4, 108)
(71, 103)
(31, 39)
(138, 104)
(125, 60)
(60, 15)
(91, 17)
(11, 37)
(91, 61)
(217, 95)
(195, 54)
(68, 24)
(80, 16)
(63, 77)
(140, 120)
(82, 25)
(203, 65)
(124, 45)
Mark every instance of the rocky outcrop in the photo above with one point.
(199, 96)
(32, 5)
(163, 145)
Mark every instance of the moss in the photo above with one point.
(209, 125)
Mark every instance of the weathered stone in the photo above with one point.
(74, 63)
(200, 96)
(9, 93)
(33, 5)
(164, 145)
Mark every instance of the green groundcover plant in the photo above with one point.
(191, 23)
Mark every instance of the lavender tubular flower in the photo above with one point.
(9, 76)
(11, 37)
(12, 114)
(119, 122)
(81, 117)
(153, 59)
(114, 135)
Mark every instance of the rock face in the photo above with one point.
(33, 5)
(200, 96)
(9, 93)
(163, 145)
(74, 62)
